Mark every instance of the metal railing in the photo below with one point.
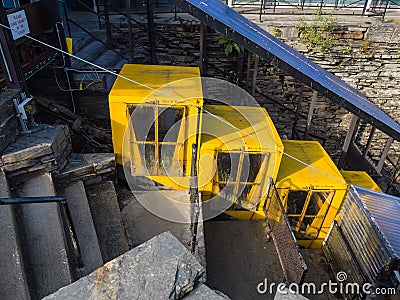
(289, 254)
(339, 7)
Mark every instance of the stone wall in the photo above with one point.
(366, 55)
(9, 124)
(368, 58)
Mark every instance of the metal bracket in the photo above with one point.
(21, 111)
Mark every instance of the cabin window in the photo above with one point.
(156, 139)
(306, 211)
(240, 176)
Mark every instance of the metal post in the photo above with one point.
(128, 19)
(240, 61)
(194, 201)
(369, 142)
(253, 89)
(348, 140)
(310, 113)
(203, 49)
(26, 200)
(384, 155)
(108, 25)
(298, 109)
(98, 13)
(248, 70)
(59, 29)
(384, 11)
(175, 13)
(366, 4)
(150, 23)
(261, 9)
(66, 18)
(10, 62)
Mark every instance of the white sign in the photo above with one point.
(18, 24)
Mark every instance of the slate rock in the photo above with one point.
(203, 292)
(161, 268)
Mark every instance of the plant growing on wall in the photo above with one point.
(318, 35)
(228, 44)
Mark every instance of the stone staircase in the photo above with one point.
(46, 246)
(94, 83)
(96, 52)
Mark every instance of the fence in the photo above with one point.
(290, 257)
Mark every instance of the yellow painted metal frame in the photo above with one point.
(360, 178)
(305, 166)
(256, 135)
(308, 167)
(137, 167)
(169, 86)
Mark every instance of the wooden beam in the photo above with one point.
(348, 140)
(384, 155)
(248, 69)
(369, 142)
(298, 109)
(107, 22)
(129, 21)
(151, 33)
(310, 113)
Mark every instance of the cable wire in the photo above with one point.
(179, 100)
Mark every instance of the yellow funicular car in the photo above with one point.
(158, 113)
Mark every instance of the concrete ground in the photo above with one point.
(142, 225)
(239, 258)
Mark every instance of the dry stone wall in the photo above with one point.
(366, 55)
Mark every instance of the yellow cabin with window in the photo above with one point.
(142, 117)
(311, 189)
(240, 152)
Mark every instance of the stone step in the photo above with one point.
(89, 53)
(107, 59)
(45, 148)
(161, 268)
(91, 168)
(110, 79)
(85, 232)
(81, 43)
(12, 275)
(90, 81)
(42, 237)
(107, 220)
(98, 81)
(172, 213)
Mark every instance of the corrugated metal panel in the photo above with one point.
(224, 19)
(365, 222)
(384, 210)
(341, 257)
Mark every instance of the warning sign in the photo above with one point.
(18, 24)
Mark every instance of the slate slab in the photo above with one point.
(161, 268)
